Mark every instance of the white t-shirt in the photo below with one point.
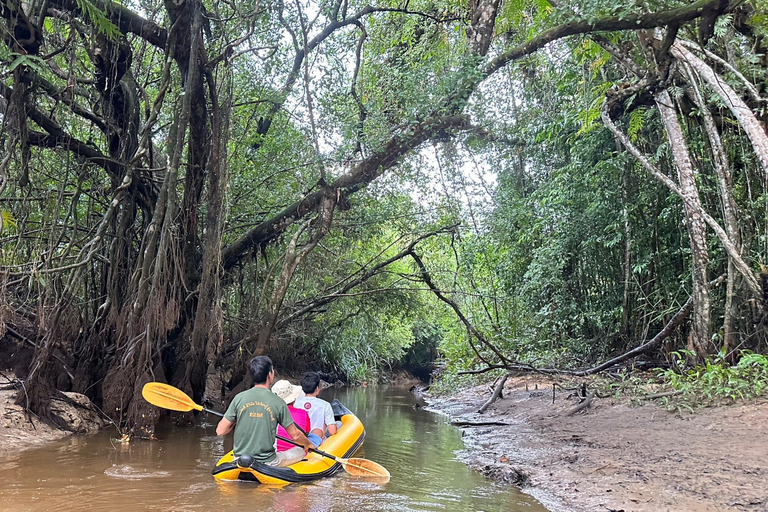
(320, 412)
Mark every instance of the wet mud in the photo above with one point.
(618, 456)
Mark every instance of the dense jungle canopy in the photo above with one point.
(349, 186)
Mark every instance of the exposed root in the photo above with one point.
(584, 405)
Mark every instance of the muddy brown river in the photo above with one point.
(419, 448)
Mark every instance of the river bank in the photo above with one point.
(618, 456)
(73, 412)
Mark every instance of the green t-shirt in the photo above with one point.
(257, 412)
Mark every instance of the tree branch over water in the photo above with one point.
(358, 177)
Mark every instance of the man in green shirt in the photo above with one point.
(255, 413)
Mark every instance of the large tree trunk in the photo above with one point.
(157, 287)
(697, 227)
(725, 186)
(207, 332)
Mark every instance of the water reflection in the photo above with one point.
(417, 447)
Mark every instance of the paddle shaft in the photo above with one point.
(289, 441)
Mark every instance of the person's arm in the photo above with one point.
(330, 421)
(300, 438)
(224, 427)
(227, 423)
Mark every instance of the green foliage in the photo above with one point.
(566, 251)
(636, 122)
(717, 380)
(365, 344)
(98, 19)
(31, 61)
(721, 25)
(523, 15)
(7, 221)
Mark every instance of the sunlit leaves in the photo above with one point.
(636, 122)
(7, 220)
(98, 19)
(589, 118)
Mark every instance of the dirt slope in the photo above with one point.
(19, 431)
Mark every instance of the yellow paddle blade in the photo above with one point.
(364, 468)
(168, 397)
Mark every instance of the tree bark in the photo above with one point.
(482, 22)
(735, 256)
(733, 101)
(156, 308)
(358, 177)
(294, 257)
(725, 186)
(207, 331)
(497, 392)
(697, 228)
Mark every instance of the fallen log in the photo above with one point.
(495, 395)
(583, 405)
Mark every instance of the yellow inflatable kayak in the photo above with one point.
(344, 444)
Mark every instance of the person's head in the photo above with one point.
(310, 383)
(286, 391)
(261, 369)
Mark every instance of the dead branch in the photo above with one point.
(495, 396)
(654, 396)
(676, 320)
(585, 404)
(479, 423)
(471, 331)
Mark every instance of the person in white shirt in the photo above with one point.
(321, 421)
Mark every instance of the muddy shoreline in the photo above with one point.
(20, 430)
(618, 456)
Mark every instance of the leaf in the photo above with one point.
(31, 61)
(592, 114)
(636, 122)
(721, 25)
(6, 219)
(99, 19)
